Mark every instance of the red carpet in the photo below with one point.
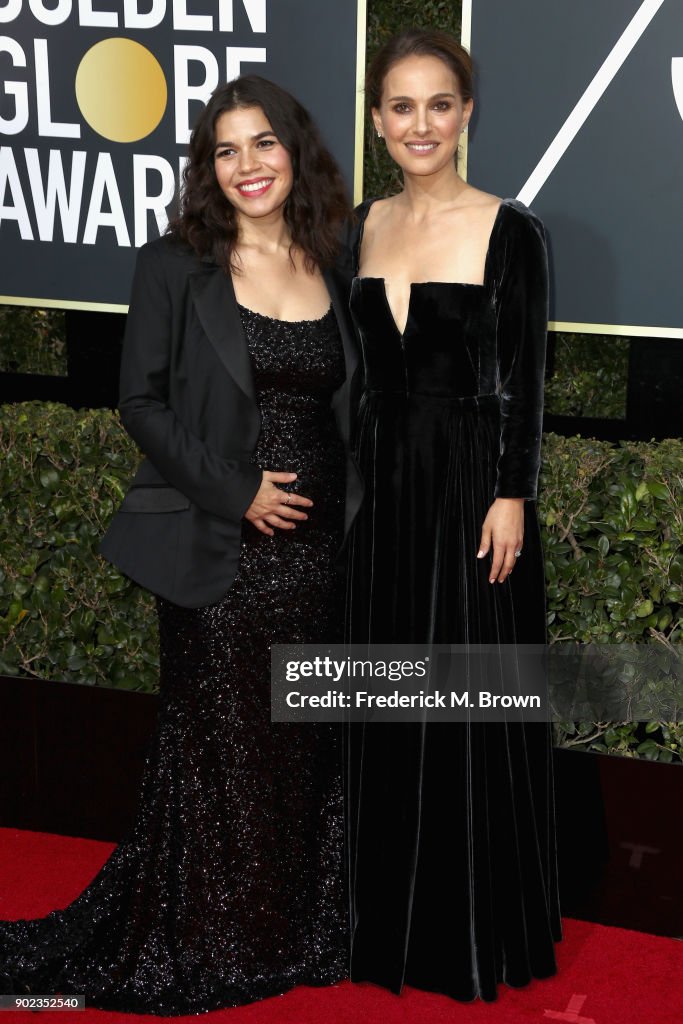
(606, 975)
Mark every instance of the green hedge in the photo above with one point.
(590, 376)
(65, 613)
(32, 341)
(613, 518)
(613, 535)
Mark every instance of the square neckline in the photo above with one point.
(422, 284)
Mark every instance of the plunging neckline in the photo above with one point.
(413, 285)
(421, 284)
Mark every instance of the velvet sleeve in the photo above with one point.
(522, 323)
(224, 487)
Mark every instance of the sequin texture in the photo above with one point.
(229, 887)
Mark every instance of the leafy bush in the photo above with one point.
(32, 341)
(614, 528)
(65, 613)
(590, 376)
(613, 536)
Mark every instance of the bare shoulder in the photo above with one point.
(474, 216)
(477, 199)
(381, 212)
(480, 208)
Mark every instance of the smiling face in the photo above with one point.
(253, 168)
(422, 115)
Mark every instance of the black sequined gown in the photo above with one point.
(229, 887)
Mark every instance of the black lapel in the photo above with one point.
(340, 304)
(214, 299)
(342, 401)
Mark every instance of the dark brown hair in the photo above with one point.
(418, 42)
(315, 209)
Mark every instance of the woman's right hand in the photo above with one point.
(275, 506)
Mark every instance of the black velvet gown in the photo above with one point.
(451, 826)
(229, 888)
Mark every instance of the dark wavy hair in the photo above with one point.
(316, 208)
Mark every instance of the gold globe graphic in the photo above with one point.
(121, 90)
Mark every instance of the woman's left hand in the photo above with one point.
(504, 528)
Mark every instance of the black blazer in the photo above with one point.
(187, 399)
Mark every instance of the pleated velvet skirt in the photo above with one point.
(450, 826)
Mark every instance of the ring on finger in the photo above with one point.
(289, 498)
(518, 553)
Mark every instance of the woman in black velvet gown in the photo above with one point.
(229, 887)
(451, 826)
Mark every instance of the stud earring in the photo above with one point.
(464, 127)
(379, 134)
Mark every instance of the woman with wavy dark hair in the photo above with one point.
(314, 208)
(234, 384)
